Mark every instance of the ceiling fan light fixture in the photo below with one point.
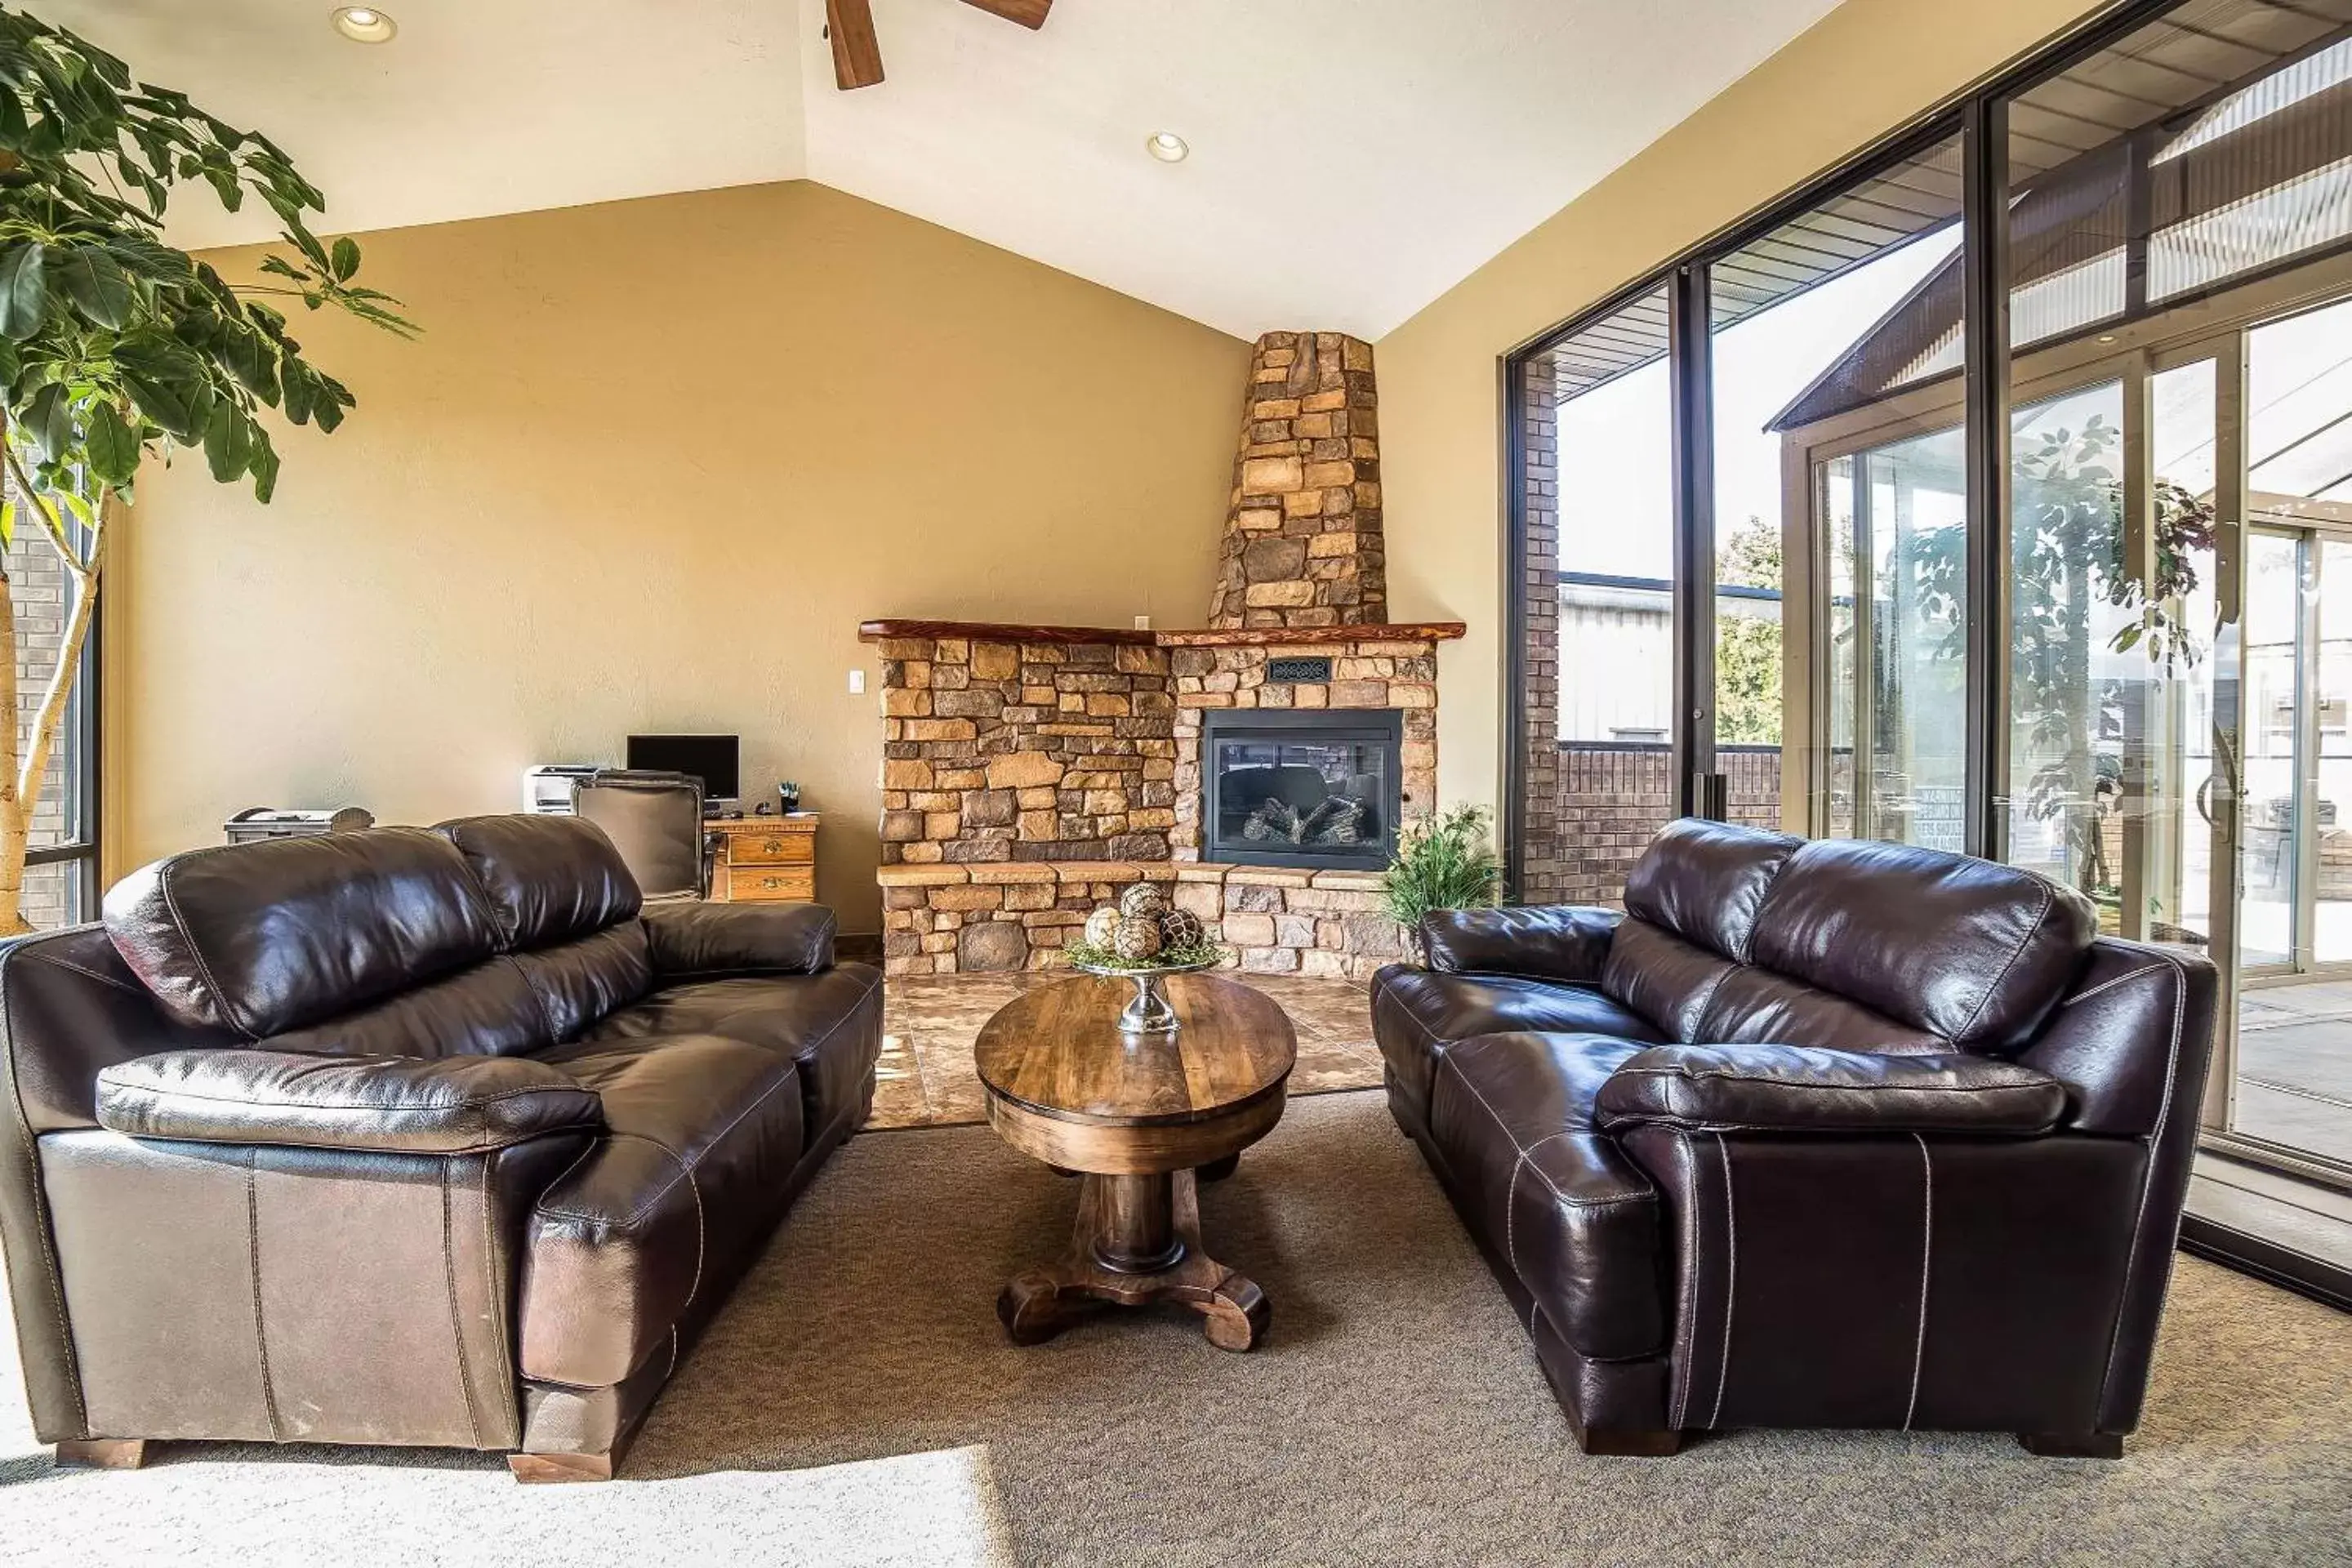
(1167, 146)
(363, 23)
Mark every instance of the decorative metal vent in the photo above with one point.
(1311, 672)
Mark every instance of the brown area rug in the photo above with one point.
(857, 1404)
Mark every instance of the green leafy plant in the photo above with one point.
(114, 344)
(1444, 860)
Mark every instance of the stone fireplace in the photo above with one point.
(1029, 772)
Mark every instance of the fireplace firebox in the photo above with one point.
(1280, 787)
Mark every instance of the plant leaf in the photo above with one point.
(345, 259)
(113, 446)
(96, 282)
(24, 292)
(229, 445)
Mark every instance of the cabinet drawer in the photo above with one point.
(779, 849)
(771, 885)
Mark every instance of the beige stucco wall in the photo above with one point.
(1866, 68)
(649, 467)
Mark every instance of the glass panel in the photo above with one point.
(2072, 664)
(1597, 673)
(2331, 693)
(52, 896)
(1785, 309)
(2272, 739)
(2175, 891)
(1313, 795)
(1898, 599)
(2212, 142)
(1836, 783)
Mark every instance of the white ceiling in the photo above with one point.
(1351, 159)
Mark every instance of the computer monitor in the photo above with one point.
(713, 759)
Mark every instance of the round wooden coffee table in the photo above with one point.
(1136, 1115)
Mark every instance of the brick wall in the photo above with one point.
(41, 592)
(1303, 543)
(1613, 799)
(1542, 853)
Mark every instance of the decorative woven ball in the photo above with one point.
(1181, 927)
(1138, 942)
(1142, 901)
(1102, 926)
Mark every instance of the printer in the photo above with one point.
(547, 788)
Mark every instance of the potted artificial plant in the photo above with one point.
(114, 344)
(1444, 860)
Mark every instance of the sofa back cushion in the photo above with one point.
(548, 879)
(1974, 952)
(1705, 882)
(259, 939)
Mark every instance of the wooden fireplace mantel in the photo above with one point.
(1251, 636)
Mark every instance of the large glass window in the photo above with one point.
(1596, 686)
(61, 870)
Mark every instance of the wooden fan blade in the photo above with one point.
(856, 52)
(1028, 13)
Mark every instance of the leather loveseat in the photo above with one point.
(404, 1137)
(1813, 1134)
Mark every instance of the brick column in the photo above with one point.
(1302, 545)
(1542, 878)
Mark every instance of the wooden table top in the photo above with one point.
(1058, 1051)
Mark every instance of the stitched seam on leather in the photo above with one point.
(2109, 984)
(1686, 1287)
(204, 965)
(1814, 1086)
(2148, 1178)
(252, 1267)
(2049, 903)
(538, 995)
(41, 1215)
(456, 1317)
(1730, 1283)
(1927, 1270)
(1708, 1000)
(124, 985)
(494, 1265)
(471, 1102)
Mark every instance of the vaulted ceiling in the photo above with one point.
(1350, 159)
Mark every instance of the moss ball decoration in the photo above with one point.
(1142, 901)
(1138, 940)
(1102, 926)
(1181, 927)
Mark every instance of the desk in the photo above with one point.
(764, 859)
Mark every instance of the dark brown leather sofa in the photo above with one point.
(405, 1137)
(1814, 1134)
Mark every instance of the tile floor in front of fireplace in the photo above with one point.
(929, 1022)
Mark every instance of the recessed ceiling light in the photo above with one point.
(365, 24)
(1167, 146)
(2106, 337)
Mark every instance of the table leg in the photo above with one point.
(1136, 1241)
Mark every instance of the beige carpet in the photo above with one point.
(857, 1404)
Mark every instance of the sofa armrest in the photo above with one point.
(1549, 942)
(1798, 1088)
(708, 942)
(376, 1104)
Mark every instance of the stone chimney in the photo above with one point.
(1302, 544)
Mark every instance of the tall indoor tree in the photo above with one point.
(114, 344)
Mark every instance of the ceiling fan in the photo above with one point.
(857, 53)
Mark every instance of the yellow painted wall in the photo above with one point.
(650, 465)
(1864, 69)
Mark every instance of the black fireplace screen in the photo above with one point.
(1308, 788)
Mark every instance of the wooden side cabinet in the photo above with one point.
(765, 859)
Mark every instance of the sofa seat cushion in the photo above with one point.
(1418, 1014)
(830, 1024)
(692, 1174)
(1548, 1193)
